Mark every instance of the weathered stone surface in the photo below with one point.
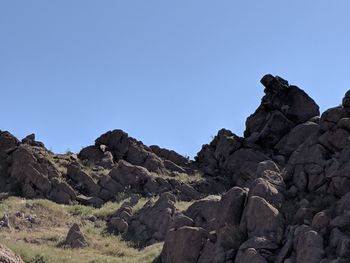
(214, 155)
(96, 155)
(170, 155)
(181, 220)
(252, 256)
(346, 100)
(262, 188)
(61, 192)
(310, 248)
(207, 253)
(335, 140)
(320, 220)
(281, 106)
(343, 205)
(32, 172)
(242, 165)
(275, 128)
(91, 153)
(112, 186)
(267, 165)
(183, 245)
(231, 207)
(297, 136)
(119, 224)
(87, 185)
(204, 211)
(154, 159)
(129, 175)
(272, 225)
(75, 238)
(7, 142)
(188, 192)
(30, 140)
(153, 220)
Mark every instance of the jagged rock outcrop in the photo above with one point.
(280, 193)
(8, 142)
(97, 175)
(285, 119)
(292, 167)
(123, 147)
(183, 244)
(283, 107)
(33, 171)
(151, 223)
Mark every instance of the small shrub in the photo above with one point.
(38, 259)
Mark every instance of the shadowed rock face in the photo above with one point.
(116, 164)
(286, 117)
(282, 191)
(292, 170)
(75, 238)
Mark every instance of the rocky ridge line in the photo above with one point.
(282, 190)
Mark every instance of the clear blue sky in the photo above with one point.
(168, 72)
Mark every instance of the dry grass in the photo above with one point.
(106, 210)
(113, 252)
(196, 177)
(183, 205)
(42, 242)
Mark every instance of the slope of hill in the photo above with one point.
(280, 193)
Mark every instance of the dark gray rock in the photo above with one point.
(75, 238)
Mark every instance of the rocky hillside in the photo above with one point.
(280, 193)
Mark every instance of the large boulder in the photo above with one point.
(183, 245)
(282, 107)
(298, 135)
(263, 188)
(30, 140)
(241, 166)
(127, 175)
(109, 187)
(310, 247)
(61, 192)
(7, 142)
(231, 207)
(151, 223)
(306, 166)
(263, 247)
(129, 149)
(271, 227)
(75, 238)
(96, 155)
(170, 155)
(32, 171)
(87, 185)
(213, 156)
(203, 212)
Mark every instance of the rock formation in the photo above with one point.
(290, 186)
(75, 238)
(280, 193)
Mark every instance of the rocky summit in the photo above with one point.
(280, 193)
